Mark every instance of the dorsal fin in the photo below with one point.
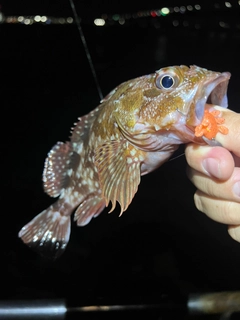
(55, 174)
(80, 131)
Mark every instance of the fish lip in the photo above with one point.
(214, 92)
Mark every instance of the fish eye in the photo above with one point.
(166, 81)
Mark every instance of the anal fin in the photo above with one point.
(89, 208)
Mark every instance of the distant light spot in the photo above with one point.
(99, 22)
(165, 11)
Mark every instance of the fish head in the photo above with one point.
(159, 110)
(175, 102)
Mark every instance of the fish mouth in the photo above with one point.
(213, 92)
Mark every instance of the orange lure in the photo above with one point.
(211, 125)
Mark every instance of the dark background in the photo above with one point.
(161, 244)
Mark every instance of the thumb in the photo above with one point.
(234, 232)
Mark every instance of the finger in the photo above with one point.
(225, 190)
(234, 232)
(213, 161)
(223, 211)
(230, 141)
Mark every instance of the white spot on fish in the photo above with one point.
(129, 160)
(76, 194)
(69, 172)
(62, 195)
(133, 152)
(79, 148)
(96, 184)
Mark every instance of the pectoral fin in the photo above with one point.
(119, 172)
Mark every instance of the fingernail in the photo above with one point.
(212, 167)
(236, 188)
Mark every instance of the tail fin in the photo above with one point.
(48, 233)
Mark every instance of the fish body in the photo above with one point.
(133, 131)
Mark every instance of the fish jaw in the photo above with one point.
(211, 92)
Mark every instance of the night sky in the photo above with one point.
(161, 244)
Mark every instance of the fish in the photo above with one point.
(133, 131)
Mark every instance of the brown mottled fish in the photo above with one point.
(134, 130)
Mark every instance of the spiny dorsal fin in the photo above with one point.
(80, 131)
(118, 166)
(55, 174)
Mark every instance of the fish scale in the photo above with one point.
(133, 131)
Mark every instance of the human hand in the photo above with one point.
(215, 171)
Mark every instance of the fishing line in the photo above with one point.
(174, 158)
(77, 19)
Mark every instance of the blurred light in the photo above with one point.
(228, 4)
(165, 11)
(20, 19)
(121, 21)
(9, 20)
(69, 20)
(99, 22)
(182, 9)
(104, 16)
(223, 24)
(27, 21)
(37, 18)
(116, 17)
(61, 20)
(197, 7)
(43, 19)
(176, 9)
(153, 14)
(190, 8)
(175, 23)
